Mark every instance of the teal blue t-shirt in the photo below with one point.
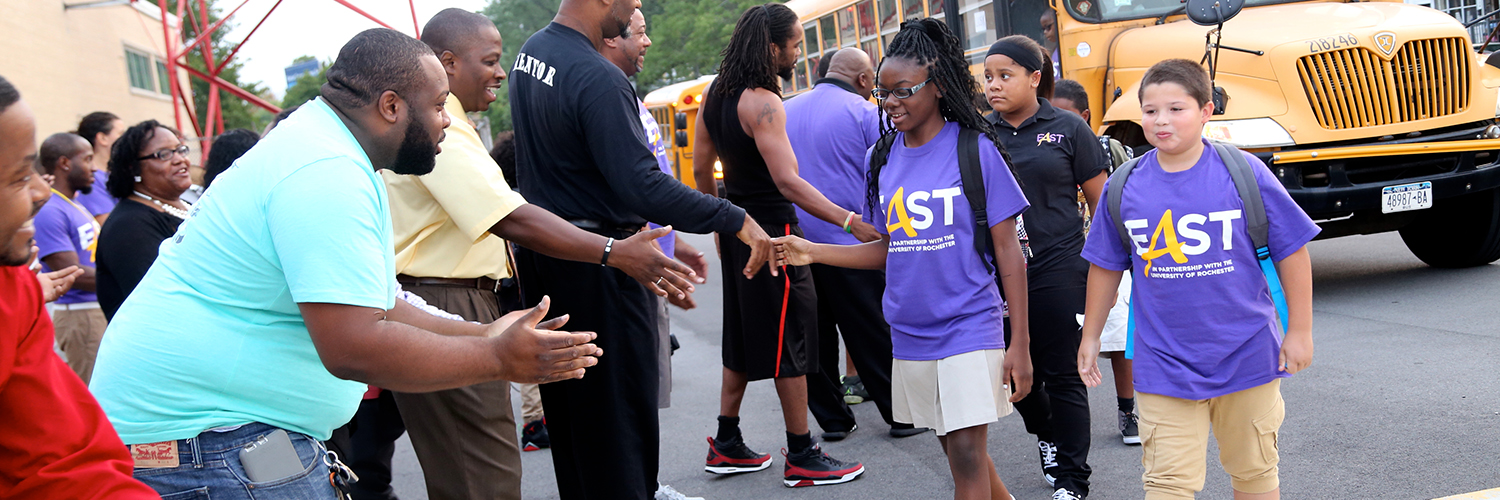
(212, 336)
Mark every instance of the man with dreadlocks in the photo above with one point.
(770, 325)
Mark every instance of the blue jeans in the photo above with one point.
(210, 466)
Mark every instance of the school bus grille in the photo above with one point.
(1355, 87)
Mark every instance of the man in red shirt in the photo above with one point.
(56, 443)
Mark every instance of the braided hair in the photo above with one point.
(748, 60)
(929, 42)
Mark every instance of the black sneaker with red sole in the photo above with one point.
(733, 457)
(815, 468)
(534, 436)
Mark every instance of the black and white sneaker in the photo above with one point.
(814, 468)
(1129, 429)
(839, 435)
(1048, 452)
(1066, 494)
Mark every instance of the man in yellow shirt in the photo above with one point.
(449, 226)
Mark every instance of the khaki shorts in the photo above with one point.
(1174, 439)
(956, 392)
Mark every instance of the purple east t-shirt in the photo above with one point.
(830, 129)
(940, 298)
(99, 202)
(1205, 325)
(659, 148)
(62, 226)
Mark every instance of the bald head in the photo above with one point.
(853, 66)
(59, 146)
(455, 30)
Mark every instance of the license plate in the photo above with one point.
(1406, 197)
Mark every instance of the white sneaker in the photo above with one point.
(1064, 494)
(664, 492)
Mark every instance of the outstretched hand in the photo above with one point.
(529, 351)
(642, 259)
(57, 283)
(761, 252)
(792, 250)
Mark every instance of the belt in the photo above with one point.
(607, 228)
(80, 306)
(481, 283)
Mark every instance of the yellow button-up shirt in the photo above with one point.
(442, 220)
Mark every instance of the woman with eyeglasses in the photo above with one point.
(1055, 155)
(952, 370)
(148, 172)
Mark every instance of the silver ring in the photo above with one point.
(659, 280)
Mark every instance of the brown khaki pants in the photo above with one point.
(465, 438)
(78, 334)
(1174, 440)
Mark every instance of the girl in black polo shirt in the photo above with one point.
(1055, 153)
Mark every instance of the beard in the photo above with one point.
(785, 72)
(418, 155)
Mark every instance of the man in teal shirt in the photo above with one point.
(274, 304)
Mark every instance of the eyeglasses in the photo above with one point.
(166, 154)
(900, 93)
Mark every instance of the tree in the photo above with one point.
(307, 86)
(237, 112)
(686, 35)
(686, 38)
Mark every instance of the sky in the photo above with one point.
(316, 28)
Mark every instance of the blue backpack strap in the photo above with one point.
(1116, 189)
(1255, 222)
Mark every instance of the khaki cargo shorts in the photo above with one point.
(1174, 440)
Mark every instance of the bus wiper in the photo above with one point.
(1173, 12)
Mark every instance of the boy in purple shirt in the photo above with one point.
(66, 235)
(1210, 351)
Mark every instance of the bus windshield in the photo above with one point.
(1106, 11)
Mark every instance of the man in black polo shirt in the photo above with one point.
(571, 108)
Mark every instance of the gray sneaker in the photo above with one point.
(664, 492)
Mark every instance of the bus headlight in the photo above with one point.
(1251, 133)
(718, 170)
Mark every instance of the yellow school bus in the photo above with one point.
(1376, 116)
(675, 108)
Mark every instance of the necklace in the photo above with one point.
(174, 211)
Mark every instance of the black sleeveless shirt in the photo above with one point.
(747, 180)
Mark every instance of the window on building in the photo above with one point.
(1465, 11)
(163, 80)
(138, 64)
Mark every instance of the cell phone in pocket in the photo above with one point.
(270, 458)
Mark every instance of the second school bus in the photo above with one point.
(1376, 116)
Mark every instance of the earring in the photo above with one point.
(138, 178)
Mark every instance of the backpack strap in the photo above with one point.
(1249, 189)
(972, 178)
(1255, 222)
(1116, 189)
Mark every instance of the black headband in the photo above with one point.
(1018, 53)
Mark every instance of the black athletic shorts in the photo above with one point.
(770, 323)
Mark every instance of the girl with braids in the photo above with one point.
(1055, 154)
(952, 371)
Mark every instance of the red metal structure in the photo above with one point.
(212, 124)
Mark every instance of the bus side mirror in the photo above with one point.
(682, 141)
(1213, 12)
(680, 120)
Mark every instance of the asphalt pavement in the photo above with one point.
(1402, 402)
